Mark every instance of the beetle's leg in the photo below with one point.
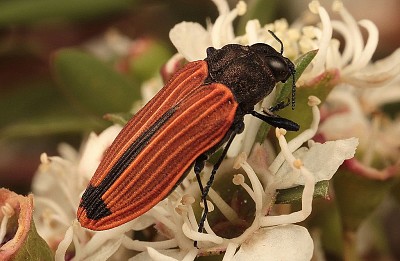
(277, 121)
(198, 167)
(238, 128)
(279, 106)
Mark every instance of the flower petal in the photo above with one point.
(290, 242)
(94, 149)
(191, 40)
(321, 159)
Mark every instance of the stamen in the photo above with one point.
(256, 185)
(309, 32)
(337, 5)
(44, 159)
(139, 245)
(347, 53)
(369, 49)
(222, 6)
(64, 244)
(241, 8)
(303, 137)
(157, 256)
(252, 28)
(230, 251)
(55, 209)
(356, 37)
(309, 183)
(181, 210)
(239, 180)
(313, 101)
(208, 228)
(191, 255)
(197, 236)
(209, 204)
(192, 218)
(187, 199)
(220, 203)
(222, 31)
(281, 25)
(314, 6)
(324, 40)
(162, 218)
(242, 157)
(8, 212)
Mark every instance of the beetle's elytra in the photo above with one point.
(196, 112)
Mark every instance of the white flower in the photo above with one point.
(356, 113)
(174, 217)
(61, 180)
(354, 62)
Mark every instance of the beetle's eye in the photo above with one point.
(279, 68)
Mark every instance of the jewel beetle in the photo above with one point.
(199, 110)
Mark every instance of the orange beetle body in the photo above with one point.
(196, 112)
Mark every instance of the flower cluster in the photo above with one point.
(61, 180)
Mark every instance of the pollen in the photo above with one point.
(298, 163)
(313, 101)
(337, 6)
(187, 199)
(242, 157)
(181, 210)
(241, 8)
(44, 159)
(238, 179)
(314, 6)
(279, 132)
(209, 205)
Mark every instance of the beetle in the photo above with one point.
(199, 110)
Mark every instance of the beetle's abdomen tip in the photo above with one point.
(88, 222)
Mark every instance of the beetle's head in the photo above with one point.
(280, 66)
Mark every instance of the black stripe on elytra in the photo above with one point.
(91, 198)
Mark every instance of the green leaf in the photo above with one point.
(149, 62)
(49, 125)
(92, 85)
(357, 196)
(295, 194)
(301, 64)
(34, 247)
(38, 110)
(302, 114)
(395, 192)
(284, 91)
(36, 98)
(27, 11)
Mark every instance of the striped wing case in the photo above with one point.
(157, 147)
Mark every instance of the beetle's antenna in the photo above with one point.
(276, 38)
(292, 71)
(293, 91)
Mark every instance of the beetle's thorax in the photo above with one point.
(247, 70)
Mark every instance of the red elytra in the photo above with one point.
(170, 152)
